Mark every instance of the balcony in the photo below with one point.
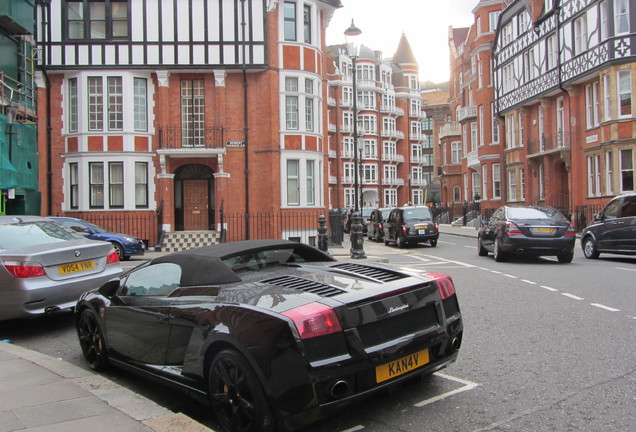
(332, 154)
(393, 110)
(418, 159)
(417, 114)
(467, 113)
(332, 127)
(346, 129)
(331, 101)
(549, 144)
(392, 182)
(418, 182)
(472, 160)
(392, 133)
(175, 140)
(450, 129)
(392, 158)
(418, 136)
(333, 179)
(347, 180)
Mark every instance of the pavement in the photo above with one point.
(40, 393)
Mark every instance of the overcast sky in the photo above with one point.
(425, 23)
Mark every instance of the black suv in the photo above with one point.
(613, 229)
(410, 225)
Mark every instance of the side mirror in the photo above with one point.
(598, 217)
(109, 288)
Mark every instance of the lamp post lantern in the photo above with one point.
(357, 239)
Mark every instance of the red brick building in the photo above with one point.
(159, 127)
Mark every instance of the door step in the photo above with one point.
(183, 240)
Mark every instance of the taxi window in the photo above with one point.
(154, 280)
(629, 207)
(611, 211)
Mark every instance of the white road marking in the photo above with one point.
(448, 243)
(471, 247)
(549, 288)
(510, 276)
(463, 264)
(626, 269)
(467, 385)
(607, 308)
(495, 272)
(353, 429)
(528, 281)
(572, 296)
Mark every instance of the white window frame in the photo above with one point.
(621, 17)
(591, 105)
(496, 181)
(303, 176)
(624, 91)
(609, 168)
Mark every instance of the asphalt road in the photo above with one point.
(547, 347)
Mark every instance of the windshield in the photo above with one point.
(534, 213)
(34, 233)
(417, 214)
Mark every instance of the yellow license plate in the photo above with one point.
(543, 230)
(77, 267)
(401, 366)
(420, 227)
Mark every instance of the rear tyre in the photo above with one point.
(566, 258)
(589, 248)
(500, 256)
(386, 242)
(400, 242)
(237, 399)
(92, 340)
(120, 250)
(378, 236)
(433, 242)
(481, 250)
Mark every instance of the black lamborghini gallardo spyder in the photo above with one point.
(272, 334)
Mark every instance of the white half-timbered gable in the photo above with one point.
(569, 39)
(152, 33)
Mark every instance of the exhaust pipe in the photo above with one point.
(455, 343)
(339, 389)
(51, 309)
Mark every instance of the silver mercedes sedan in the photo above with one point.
(45, 266)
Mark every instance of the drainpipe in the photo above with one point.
(245, 126)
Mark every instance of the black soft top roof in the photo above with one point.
(204, 265)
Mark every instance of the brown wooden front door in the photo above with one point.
(195, 205)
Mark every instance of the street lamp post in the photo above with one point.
(357, 239)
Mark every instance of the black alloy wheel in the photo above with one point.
(92, 340)
(236, 395)
(119, 249)
(481, 250)
(499, 255)
(589, 248)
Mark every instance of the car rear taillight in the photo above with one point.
(436, 226)
(571, 231)
(405, 229)
(445, 284)
(513, 229)
(24, 270)
(380, 227)
(313, 320)
(112, 258)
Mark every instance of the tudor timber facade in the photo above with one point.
(564, 78)
(181, 108)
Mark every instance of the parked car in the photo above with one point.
(375, 230)
(125, 245)
(274, 334)
(613, 229)
(527, 230)
(410, 225)
(365, 213)
(45, 267)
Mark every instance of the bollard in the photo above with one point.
(357, 238)
(323, 240)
